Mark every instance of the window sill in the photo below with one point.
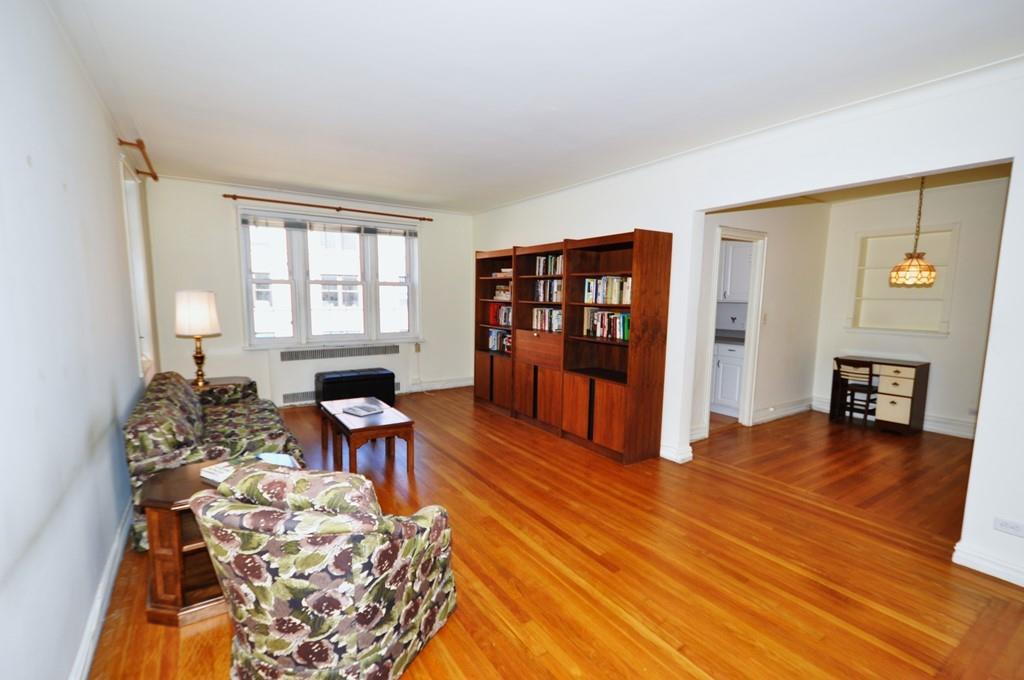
(289, 347)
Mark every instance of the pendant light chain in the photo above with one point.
(920, 202)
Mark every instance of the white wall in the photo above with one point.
(195, 244)
(794, 265)
(957, 359)
(70, 374)
(970, 119)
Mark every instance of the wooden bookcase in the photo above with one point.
(537, 379)
(602, 392)
(492, 368)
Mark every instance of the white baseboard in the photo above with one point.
(677, 454)
(94, 622)
(698, 432)
(789, 408)
(725, 410)
(954, 427)
(431, 385)
(972, 558)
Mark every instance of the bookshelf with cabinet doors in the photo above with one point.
(537, 343)
(598, 377)
(492, 364)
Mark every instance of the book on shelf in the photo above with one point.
(548, 265)
(547, 319)
(548, 290)
(499, 340)
(502, 291)
(503, 273)
(499, 315)
(598, 323)
(608, 290)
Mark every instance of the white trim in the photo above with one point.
(94, 622)
(723, 410)
(954, 427)
(973, 558)
(432, 385)
(698, 432)
(677, 454)
(789, 408)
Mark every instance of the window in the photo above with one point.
(313, 280)
(879, 306)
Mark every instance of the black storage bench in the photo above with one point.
(359, 382)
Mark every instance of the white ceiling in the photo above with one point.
(469, 104)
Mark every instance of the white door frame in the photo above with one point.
(759, 239)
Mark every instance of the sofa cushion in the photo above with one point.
(157, 427)
(293, 489)
(248, 427)
(172, 389)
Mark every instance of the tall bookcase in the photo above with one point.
(598, 380)
(494, 299)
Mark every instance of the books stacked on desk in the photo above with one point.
(547, 319)
(607, 325)
(608, 290)
(549, 265)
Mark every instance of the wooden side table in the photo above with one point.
(183, 586)
(358, 430)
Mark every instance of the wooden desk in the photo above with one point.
(183, 587)
(358, 430)
(902, 389)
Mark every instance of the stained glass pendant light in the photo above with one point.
(914, 271)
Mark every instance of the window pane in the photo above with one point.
(391, 261)
(334, 255)
(272, 310)
(394, 309)
(335, 309)
(268, 252)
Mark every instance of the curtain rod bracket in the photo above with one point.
(141, 146)
(335, 208)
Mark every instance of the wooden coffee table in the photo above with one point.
(358, 430)
(183, 587)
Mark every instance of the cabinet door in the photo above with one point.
(482, 375)
(522, 389)
(575, 403)
(549, 396)
(610, 414)
(728, 381)
(501, 389)
(724, 261)
(740, 260)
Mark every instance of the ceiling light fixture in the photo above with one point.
(914, 271)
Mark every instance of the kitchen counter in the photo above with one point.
(728, 337)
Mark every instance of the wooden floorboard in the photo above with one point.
(793, 549)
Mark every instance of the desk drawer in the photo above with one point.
(539, 347)
(894, 371)
(893, 409)
(901, 387)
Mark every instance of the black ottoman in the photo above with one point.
(359, 382)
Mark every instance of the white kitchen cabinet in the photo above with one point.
(727, 379)
(734, 271)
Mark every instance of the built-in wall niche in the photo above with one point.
(880, 306)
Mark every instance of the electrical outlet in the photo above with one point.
(1008, 526)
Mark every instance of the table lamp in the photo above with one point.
(195, 316)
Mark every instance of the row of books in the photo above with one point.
(608, 290)
(599, 323)
(502, 291)
(499, 340)
(549, 290)
(499, 315)
(548, 265)
(547, 319)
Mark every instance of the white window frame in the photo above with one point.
(298, 279)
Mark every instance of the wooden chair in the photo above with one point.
(860, 394)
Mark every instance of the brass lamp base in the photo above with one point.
(200, 359)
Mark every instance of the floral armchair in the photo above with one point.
(172, 425)
(319, 583)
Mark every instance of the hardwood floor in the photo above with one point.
(761, 558)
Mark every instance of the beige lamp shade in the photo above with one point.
(195, 313)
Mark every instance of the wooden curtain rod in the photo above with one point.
(336, 208)
(141, 146)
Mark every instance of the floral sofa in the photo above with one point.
(173, 425)
(320, 584)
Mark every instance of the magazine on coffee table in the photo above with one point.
(362, 410)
